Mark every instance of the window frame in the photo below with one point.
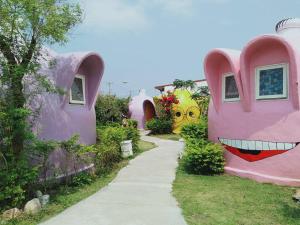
(223, 88)
(82, 78)
(285, 84)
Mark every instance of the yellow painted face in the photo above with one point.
(187, 111)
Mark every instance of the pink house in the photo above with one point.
(79, 76)
(255, 107)
(142, 109)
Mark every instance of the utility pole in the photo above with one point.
(109, 87)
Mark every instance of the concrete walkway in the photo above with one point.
(139, 195)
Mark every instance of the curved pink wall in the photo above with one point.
(136, 108)
(249, 119)
(59, 120)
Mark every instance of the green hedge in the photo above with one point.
(160, 126)
(115, 135)
(108, 150)
(201, 156)
(195, 130)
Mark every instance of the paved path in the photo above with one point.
(139, 195)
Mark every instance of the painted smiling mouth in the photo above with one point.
(256, 150)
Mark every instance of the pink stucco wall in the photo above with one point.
(276, 120)
(59, 119)
(136, 108)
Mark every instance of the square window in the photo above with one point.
(271, 82)
(230, 90)
(77, 92)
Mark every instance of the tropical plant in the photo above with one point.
(202, 157)
(111, 109)
(160, 126)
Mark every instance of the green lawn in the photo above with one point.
(230, 200)
(173, 137)
(68, 196)
(145, 145)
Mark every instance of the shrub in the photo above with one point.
(201, 157)
(134, 135)
(111, 135)
(159, 126)
(16, 182)
(111, 109)
(195, 130)
(115, 135)
(131, 123)
(106, 157)
(82, 179)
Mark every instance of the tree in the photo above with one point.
(111, 109)
(25, 27)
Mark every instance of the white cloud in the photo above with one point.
(114, 15)
(120, 15)
(179, 7)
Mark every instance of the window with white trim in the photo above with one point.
(271, 82)
(77, 92)
(229, 88)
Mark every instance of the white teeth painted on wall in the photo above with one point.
(257, 145)
(238, 143)
(265, 145)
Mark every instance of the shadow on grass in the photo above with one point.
(290, 211)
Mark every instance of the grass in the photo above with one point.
(232, 200)
(67, 196)
(173, 137)
(146, 145)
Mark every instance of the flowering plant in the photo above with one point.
(167, 100)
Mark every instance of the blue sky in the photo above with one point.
(151, 42)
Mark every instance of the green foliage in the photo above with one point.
(201, 156)
(204, 158)
(25, 27)
(106, 157)
(108, 151)
(43, 149)
(75, 154)
(130, 123)
(111, 135)
(82, 179)
(160, 126)
(115, 135)
(16, 181)
(134, 135)
(111, 109)
(195, 130)
(188, 84)
(201, 96)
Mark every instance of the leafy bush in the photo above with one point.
(134, 135)
(82, 179)
(111, 135)
(111, 109)
(195, 130)
(115, 135)
(130, 123)
(76, 154)
(16, 181)
(106, 157)
(159, 126)
(201, 157)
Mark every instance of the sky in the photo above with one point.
(145, 43)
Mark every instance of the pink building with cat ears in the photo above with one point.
(255, 107)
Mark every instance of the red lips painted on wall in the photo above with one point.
(256, 150)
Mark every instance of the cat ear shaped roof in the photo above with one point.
(212, 66)
(240, 65)
(89, 64)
